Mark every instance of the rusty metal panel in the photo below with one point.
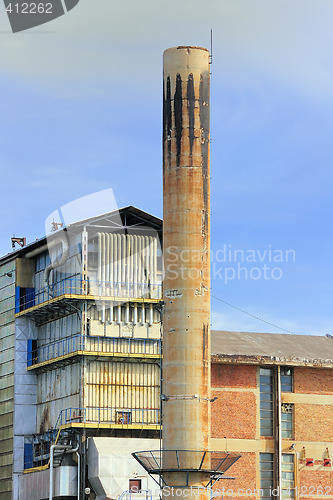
(57, 389)
(122, 385)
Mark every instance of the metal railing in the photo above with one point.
(111, 416)
(98, 289)
(136, 495)
(107, 345)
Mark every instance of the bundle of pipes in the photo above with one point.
(186, 245)
(127, 264)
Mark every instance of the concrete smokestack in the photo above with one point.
(186, 243)
(185, 464)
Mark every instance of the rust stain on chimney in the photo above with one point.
(186, 241)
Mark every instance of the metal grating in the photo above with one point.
(213, 463)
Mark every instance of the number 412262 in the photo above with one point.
(29, 8)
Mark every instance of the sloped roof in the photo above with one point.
(129, 215)
(272, 348)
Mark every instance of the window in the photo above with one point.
(286, 375)
(134, 486)
(288, 476)
(287, 411)
(266, 402)
(266, 475)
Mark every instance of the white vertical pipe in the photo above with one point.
(151, 312)
(135, 314)
(135, 267)
(123, 262)
(103, 263)
(151, 265)
(119, 277)
(155, 268)
(119, 314)
(131, 238)
(99, 266)
(139, 266)
(107, 264)
(78, 474)
(115, 274)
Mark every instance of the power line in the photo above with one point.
(252, 315)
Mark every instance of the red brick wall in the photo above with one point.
(234, 415)
(313, 422)
(244, 470)
(234, 376)
(315, 482)
(313, 380)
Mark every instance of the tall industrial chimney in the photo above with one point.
(186, 250)
(185, 462)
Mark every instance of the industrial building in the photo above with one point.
(81, 369)
(111, 389)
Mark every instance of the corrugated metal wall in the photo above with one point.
(57, 390)
(123, 386)
(7, 344)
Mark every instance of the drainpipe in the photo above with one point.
(66, 450)
(43, 248)
(58, 263)
(78, 474)
(279, 433)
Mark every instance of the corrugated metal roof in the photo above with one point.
(272, 347)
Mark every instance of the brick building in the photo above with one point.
(274, 407)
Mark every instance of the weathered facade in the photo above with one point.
(80, 335)
(275, 407)
(91, 376)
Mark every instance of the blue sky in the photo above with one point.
(81, 112)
